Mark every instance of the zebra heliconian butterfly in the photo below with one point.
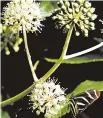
(80, 102)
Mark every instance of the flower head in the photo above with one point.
(77, 12)
(21, 13)
(47, 97)
(9, 38)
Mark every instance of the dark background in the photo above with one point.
(16, 74)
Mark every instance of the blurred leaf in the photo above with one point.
(48, 6)
(4, 114)
(79, 60)
(87, 85)
(64, 110)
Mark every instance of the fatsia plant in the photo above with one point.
(24, 16)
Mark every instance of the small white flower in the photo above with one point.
(77, 12)
(48, 97)
(24, 12)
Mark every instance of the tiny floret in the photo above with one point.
(47, 98)
(19, 13)
(79, 13)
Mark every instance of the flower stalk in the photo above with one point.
(28, 55)
(48, 74)
(56, 65)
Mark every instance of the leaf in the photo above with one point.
(48, 6)
(82, 87)
(4, 114)
(79, 60)
(64, 110)
(87, 85)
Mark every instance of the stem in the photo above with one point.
(57, 64)
(28, 55)
(48, 74)
(84, 51)
(17, 97)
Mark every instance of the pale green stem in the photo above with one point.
(57, 64)
(28, 55)
(17, 97)
(48, 74)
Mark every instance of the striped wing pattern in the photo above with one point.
(81, 101)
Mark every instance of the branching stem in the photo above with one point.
(48, 74)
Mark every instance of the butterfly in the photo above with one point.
(80, 102)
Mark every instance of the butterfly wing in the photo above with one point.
(81, 101)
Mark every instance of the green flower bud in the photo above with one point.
(86, 35)
(54, 17)
(89, 14)
(7, 52)
(92, 24)
(86, 21)
(81, 17)
(75, 20)
(85, 10)
(63, 7)
(4, 28)
(92, 10)
(38, 112)
(75, 4)
(67, 26)
(60, 17)
(82, 27)
(77, 33)
(70, 16)
(94, 16)
(0, 28)
(63, 22)
(67, 3)
(16, 47)
(19, 41)
(86, 31)
(61, 2)
(77, 10)
(87, 4)
(70, 10)
(93, 28)
(81, 1)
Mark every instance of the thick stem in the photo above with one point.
(17, 97)
(28, 55)
(48, 74)
(57, 64)
(84, 51)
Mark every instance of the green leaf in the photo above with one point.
(4, 114)
(82, 87)
(48, 6)
(87, 85)
(64, 110)
(79, 60)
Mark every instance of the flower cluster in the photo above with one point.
(9, 38)
(21, 13)
(77, 12)
(48, 98)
